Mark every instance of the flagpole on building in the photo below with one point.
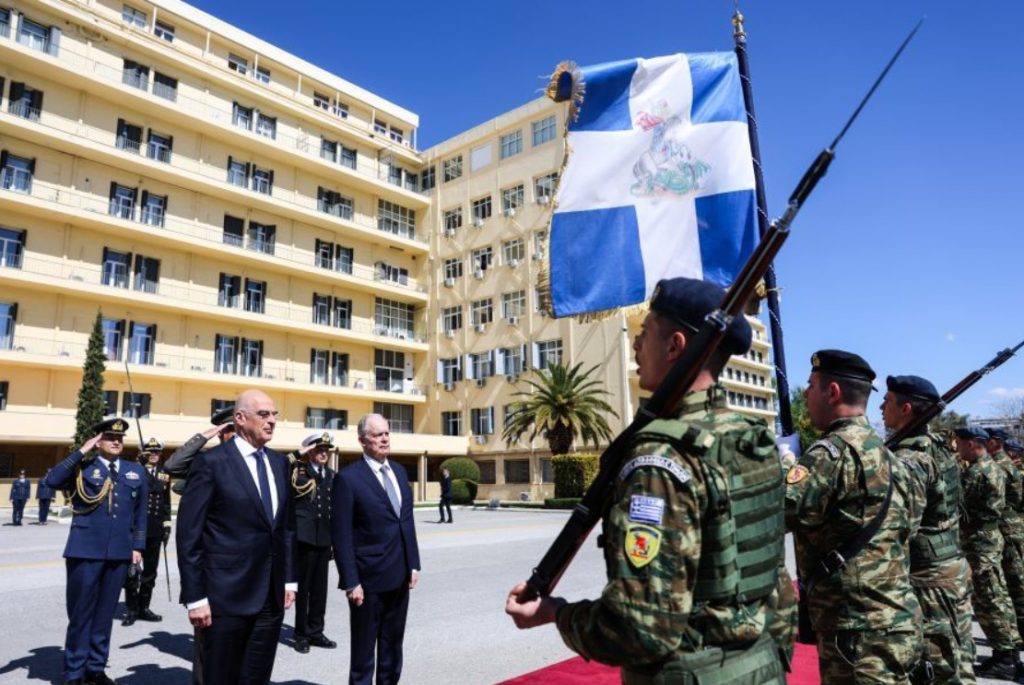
(774, 316)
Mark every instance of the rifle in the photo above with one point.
(925, 417)
(683, 373)
(135, 407)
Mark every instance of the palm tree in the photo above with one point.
(563, 404)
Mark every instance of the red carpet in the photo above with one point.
(579, 672)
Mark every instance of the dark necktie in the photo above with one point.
(389, 489)
(261, 474)
(113, 472)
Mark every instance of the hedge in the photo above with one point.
(574, 473)
(561, 502)
(463, 491)
(461, 467)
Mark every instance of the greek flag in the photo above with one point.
(658, 180)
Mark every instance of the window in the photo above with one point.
(451, 423)
(4, 393)
(262, 237)
(540, 240)
(450, 370)
(452, 269)
(547, 474)
(318, 366)
(141, 342)
(135, 75)
(322, 309)
(262, 74)
(238, 173)
(334, 203)
(513, 304)
(225, 354)
(159, 146)
(262, 180)
(397, 134)
(487, 472)
(482, 209)
(517, 470)
(452, 220)
(110, 403)
(255, 296)
(38, 37)
(512, 198)
(512, 360)
(342, 311)
(328, 150)
(451, 318)
(266, 126)
(229, 290)
(339, 368)
(5, 22)
(513, 251)
(113, 338)
(234, 229)
(547, 353)
(115, 268)
(12, 244)
(544, 188)
(340, 109)
(389, 370)
(511, 144)
(135, 405)
(146, 274)
(482, 259)
(326, 418)
(154, 209)
(391, 274)
(239, 64)
(242, 117)
(220, 405)
(16, 172)
(543, 130)
(428, 178)
(132, 16)
(129, 136)
(335, 257)
(8, 316)
(252, 358)
(482, 365)
(393, 319)
(322, 101)
(122, 201)
(164, 30)
(349, 157)
(164, 86)
(451, 169)
(482, 420)
(380, 127)
(399, 416)
(25, 101)
(481, 312)
(396, 219)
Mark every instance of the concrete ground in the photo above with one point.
(457, 631)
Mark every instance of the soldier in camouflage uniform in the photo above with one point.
(1011, 525)
(863, 609)
(984, 494)
(693, 537)
(939, 573)
(1015, 449)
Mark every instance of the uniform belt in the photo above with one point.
(758, 664)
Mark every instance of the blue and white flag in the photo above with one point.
(658, 180)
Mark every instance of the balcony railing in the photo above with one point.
(135, 80)
(162, 90)
(25, 110)
(16, 179)
(121, 208)
(126, 143)
(161, 153)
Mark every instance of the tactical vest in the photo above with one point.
(938, 538)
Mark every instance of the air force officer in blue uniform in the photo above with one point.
(108, 532)
(376, 552)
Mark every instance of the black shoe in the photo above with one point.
(999, 666)
(147, 615)
(441, 521)
(321, 641)
(302, 645)
(450, 521)
(100, 678)
(129, 620)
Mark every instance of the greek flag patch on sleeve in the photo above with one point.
(645, 509)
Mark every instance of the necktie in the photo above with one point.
(261, 474)
(113, 472)
(389, 489)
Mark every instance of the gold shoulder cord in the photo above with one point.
(307, 488)
(91, 502)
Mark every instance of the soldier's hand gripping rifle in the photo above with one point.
(684, 372)
(925, 417)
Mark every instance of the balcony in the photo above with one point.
(18, 180)
(25, 110)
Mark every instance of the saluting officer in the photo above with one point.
(158, 531)
(108, 532)
(313, 482)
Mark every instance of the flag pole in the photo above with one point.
(774, 316)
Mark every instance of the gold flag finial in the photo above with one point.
(737, 24)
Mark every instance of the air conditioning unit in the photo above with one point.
(537, 256)
(480, 328)
(513, 321)
(480, 439)
(511, 377)
(478, 274)
(543, 199)
(449, 386)
(449, 282)
(449, 334)
(481, 382)
(510, 212)
(513, 262)
(450, 232)
(478, 222)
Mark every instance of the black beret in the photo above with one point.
(972, 433)
(999, 434)
(842, 364)
(687, 301)
(112, 425)
(913, 386)
(223, 416)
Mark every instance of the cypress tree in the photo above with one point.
(90, 396)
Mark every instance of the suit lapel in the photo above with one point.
(244, 476)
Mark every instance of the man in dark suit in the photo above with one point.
(139, 593)
(446, 495)
(376, 552)
(236, 530)
(108, 531)
(313, 482)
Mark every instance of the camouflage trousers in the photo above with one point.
(782, 624)
(859, 657)
(948, 644)
(1013, 571)
(992, 605)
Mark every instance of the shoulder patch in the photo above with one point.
(833, 451)
(646, 509)
(642, 544)
(796, 474)
(657, 461)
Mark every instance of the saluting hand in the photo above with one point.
(89, 444)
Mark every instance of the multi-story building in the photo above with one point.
(241, 217)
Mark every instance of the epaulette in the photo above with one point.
(657, 461)
(833, 451)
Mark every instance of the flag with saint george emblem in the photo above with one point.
(658, 180)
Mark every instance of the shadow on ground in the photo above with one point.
(44, 663)
(174, 644)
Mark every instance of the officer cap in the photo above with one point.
(842, 364)
(223, 416)
(115, 425)
(153, 445)
(1014, 445)
(686, 301)
(317, 439)
(972, 433)
(999, 434)
(912, 386)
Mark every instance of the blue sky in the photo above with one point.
(911, 250)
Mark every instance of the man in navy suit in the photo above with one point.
(236, 530)
(375, 548)
(108, 531)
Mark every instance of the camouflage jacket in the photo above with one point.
(1011, 522)
(984, 486)
(646, 614)
(836, 489)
